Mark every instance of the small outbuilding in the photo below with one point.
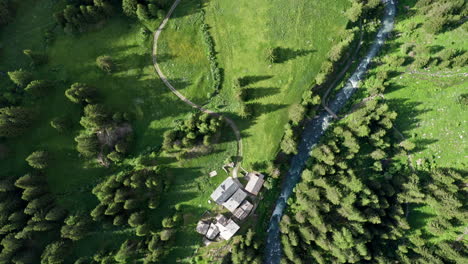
(202, 227)
(243, 211)
(212, 232)
(213, 173)
(221, 220)
(255, 182)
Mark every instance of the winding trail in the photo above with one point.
(315, 128)
(231, 123)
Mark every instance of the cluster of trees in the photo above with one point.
(124, 198)
(297, 113)
(350, 205)
(198, 129)
(336, 53)
(106, 134)
(362, 8)
(446, 58)
(144, 9)
(247, 249)
(240, 93)
(211, 53)
(27, 210)
(14, 121)
(441, 14)
(23, 82)
(77, 18)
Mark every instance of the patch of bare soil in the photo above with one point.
(111, 135)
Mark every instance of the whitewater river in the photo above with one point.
(315, 129)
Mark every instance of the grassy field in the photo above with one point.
(242, 33)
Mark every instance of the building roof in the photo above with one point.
(229, 230)
(244, 210)
(202, 227)
(213, 232)
(236, 199)
(255, 183)
(213, 173)
(221, 219)
(225, 190)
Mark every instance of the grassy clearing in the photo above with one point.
(243, 31)
(429, 111)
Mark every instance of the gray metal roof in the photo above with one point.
(225, 190)
(213, 232)
(255, 183)
(202, 227)
(236, 199)
(243, 210)
(229, 230)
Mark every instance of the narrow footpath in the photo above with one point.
(231, 123)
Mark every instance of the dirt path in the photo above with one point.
(183, 98)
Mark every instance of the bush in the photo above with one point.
(296, 113)
(105, 63)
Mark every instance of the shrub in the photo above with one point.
(105, 63)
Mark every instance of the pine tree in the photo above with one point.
(88, 145)
(14, 121)
(81, 93)
(36, 57)
(142, 12)
(20, 77)
(129, 7)
(38, 87)
(38, 159)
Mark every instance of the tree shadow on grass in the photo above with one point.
(256, 110)
(248, 80)
(435, 49)
(165, 57)
(185, 8)
(283, 55)
(408, 113)
(133, 61)
(421, 144)
(260, 92)
(418, 218)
